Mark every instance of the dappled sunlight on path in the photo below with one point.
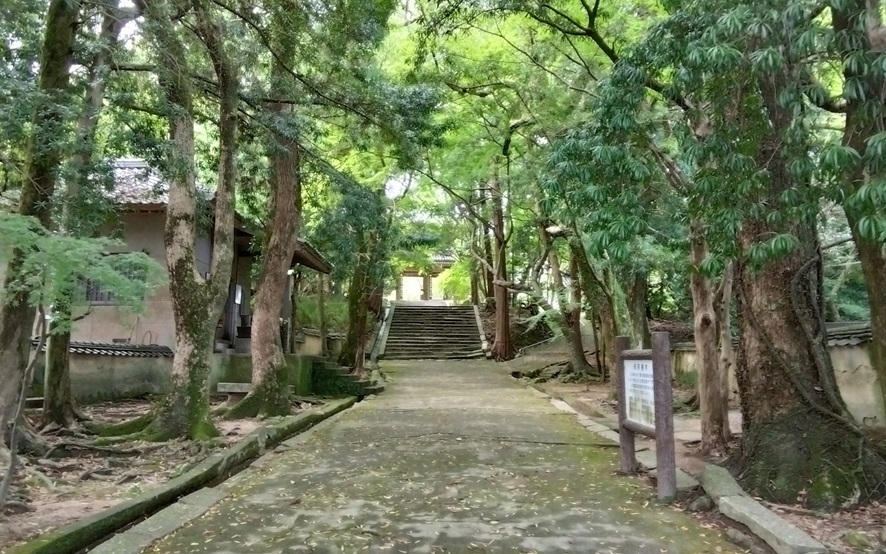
(454, 457)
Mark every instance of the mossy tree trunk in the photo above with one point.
(269, 395)
(573, 320)
(58, 401)
(799, 442)
(865, 117)
(637, 308)
(43, 162)
(601, 302)
(197, 303)
(352, 351)
(710, 393)
(59, 408)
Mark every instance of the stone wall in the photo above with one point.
(237, 368)
(97, 378)
(856, 378)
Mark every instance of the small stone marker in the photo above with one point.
(645, 406)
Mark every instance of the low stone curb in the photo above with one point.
(734, 503)
(84, 533)
(164, 522)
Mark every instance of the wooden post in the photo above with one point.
(321, 314)
(426, 285)
(664, 417)
(625, 435)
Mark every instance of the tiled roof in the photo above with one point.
(840, 333)
(137, 183)
(849, 333)
(138, 186)
(116, 349)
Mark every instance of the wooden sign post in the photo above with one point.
(645, 407)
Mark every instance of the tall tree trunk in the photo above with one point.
(865, 117)
(475, 285)
(710, 390)
(269, 395)
(799, 442)
(58, 402)
(356, 306)
(602, 304)
(637, 309)
(502, 348)
(44, 157)
(724, 324)
(197, 304)
(573, 320)
(490, 262)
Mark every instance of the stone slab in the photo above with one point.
(561, 405)
(719, 483)
(648, 459)
(164, 522)
(685, 482)
(780, 535)
(234, 387)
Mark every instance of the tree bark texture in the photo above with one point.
(724, 330)
(865, 117)
(58, 401)
(356, 308)
(502, 347)
(710, 390)
(269, 395)
(43, 161)
(637, 309)
(197, 303)
(601, 303)
(799, 443)
(573, 319)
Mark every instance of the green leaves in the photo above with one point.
(53, 264)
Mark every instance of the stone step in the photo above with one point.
(441, 350)
(432, 340)
(449, 356)
(374, 389)
(424, 332)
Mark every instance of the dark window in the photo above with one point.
(97, 294)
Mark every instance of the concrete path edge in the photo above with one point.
(732, 501)
(86, 532)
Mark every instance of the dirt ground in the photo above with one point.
(52, 491)
(850, 531)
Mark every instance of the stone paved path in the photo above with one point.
(454, 457)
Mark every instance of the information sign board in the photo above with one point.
(640, 392)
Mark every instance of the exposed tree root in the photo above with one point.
(125, 427)
(261, 401)
(813, 460)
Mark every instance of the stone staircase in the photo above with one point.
(432, 331)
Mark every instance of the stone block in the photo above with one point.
(685, 482)
(164, 522)
(718, 482)
(647, 459)
(780, 535)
